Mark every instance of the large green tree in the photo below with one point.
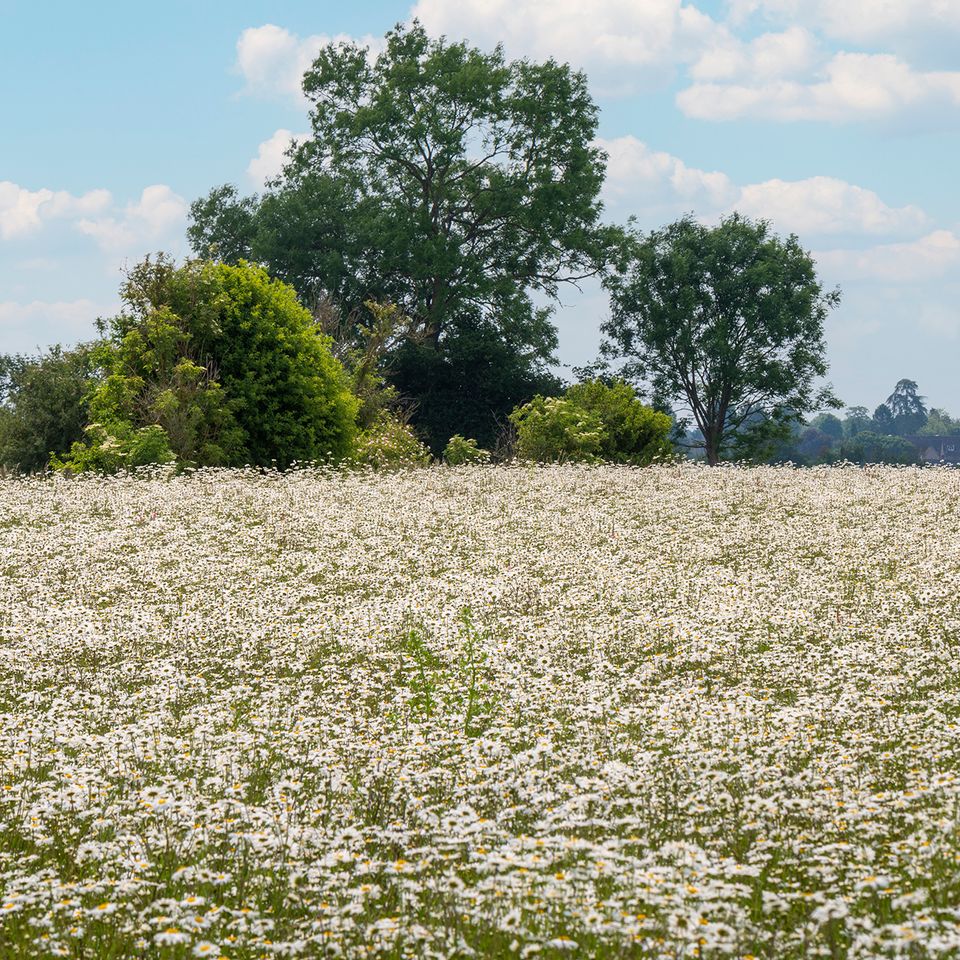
(724, 323)
(458, 185)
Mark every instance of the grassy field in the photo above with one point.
(491, 712)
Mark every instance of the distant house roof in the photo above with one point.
(937, 449)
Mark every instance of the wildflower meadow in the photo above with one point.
(481, 712)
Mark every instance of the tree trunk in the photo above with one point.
(712, 444)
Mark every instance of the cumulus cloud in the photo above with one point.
(931, 257)
(654, 185)
(826, 205)
(273, 60)
(657, 186)
(24, 211)
(28, 326)
(271, 156)
(767, 57)
(860, 21)
(157, 216)
(852, 86)
(605, 36)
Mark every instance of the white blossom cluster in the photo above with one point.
(481, 712)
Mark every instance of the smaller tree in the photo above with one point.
(829, 425)
(940, 424)
(633, 432)
(389, 443)
(908, 408)
(856, 420)
(462, 450)
(44, 404)
(223, 225)
(815, 446)
(223, 362)
(551, 429)
(118, 446)
(883, 420)
(728, 323)
(593, 421)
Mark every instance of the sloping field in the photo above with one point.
(481, 712)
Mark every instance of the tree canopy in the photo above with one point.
(43, 404)
(727, 323)
(449, 181)
(907, 407)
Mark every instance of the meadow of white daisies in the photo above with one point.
(481, 712)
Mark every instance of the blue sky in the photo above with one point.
(837, 121)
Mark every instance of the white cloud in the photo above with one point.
(271, 156)
(932, 257)
(25, 327)
(653, 185)
(852, 86)
(767, 57)
(860, 21)
(606, 36)
(273, 60)
(159, 215)
(826, 205)
(24, 211)
(658, 186)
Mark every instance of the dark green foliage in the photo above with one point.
(223, 225)
(44, 404)
(907, 408)
(857, 420)
(829, 425)
(727, 321)
(633, 432)
(226, 363)
(469, 385)
(940, 424)
(309, 234)
(815, 446)
(905, 401)
(883, 421)
(867, 447)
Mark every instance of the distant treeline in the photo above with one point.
(898, 431)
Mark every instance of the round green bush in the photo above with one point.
(633, 432)
(227, 364)
(552, 429)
